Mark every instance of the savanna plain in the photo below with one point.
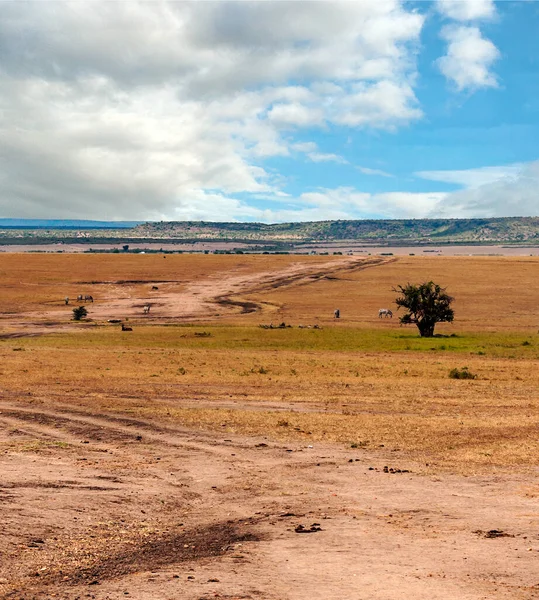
(208, 452)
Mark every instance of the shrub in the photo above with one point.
(79, 313)
(461, 374)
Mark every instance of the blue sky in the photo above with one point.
(269, 111)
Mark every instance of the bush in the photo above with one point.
(79, 313)
(461, 374)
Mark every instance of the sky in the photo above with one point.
(269, 111)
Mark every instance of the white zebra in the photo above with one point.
(385, 312)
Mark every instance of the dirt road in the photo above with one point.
(206, 298)
(211, 297)
(107, 507)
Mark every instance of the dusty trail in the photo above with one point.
(226, 293)
(206, 299)
(100, 505)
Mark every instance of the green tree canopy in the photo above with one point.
(426, 305)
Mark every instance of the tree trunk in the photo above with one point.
(426, 328)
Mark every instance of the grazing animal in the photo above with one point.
(385, 312)
(146, 309)
(337, 313)
(125, 328)
(66, 300)
(154, 287)
(79, 298)
(88, 298)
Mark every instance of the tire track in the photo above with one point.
(110, 428)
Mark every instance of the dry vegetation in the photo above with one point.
(181, 459)
(359, 380)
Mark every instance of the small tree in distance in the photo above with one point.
(427, 304)
(79, 313)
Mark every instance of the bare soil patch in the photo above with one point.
(188, 514)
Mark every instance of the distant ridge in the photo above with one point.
(400, 231)
(64, 224)
(278, 236)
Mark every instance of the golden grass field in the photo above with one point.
(359, 381)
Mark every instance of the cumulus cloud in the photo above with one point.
(295, 115)
(513, 193)
(145, 110)
(371, 103)
(469, 58)
(466, 10)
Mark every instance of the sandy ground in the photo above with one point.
(110, 508)
(98, 506)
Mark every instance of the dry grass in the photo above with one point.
(491, 293)
(358, 381)
(34, 282)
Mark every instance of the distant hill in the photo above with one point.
(64, 224)
(501, 230)
(511, 230)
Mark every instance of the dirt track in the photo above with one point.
(104, 506)
(206, 299)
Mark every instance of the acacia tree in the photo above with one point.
(427, 304)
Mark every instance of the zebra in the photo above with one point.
(146, 309)
(337, 313)
(385, 312)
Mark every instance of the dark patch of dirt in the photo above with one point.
(128, 281)
(18, 334)
(162, 550)
(493, 533)
(72, 485)
(246, 307)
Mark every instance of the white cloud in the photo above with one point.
(144, 110)
(372, 105)
(406, 205)
(514, 194)
(321, 157)
(295, 115)
(358, 205)
(379, 172)
(473, 178)
(469, 58)
(467, 10)
(304, 147)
